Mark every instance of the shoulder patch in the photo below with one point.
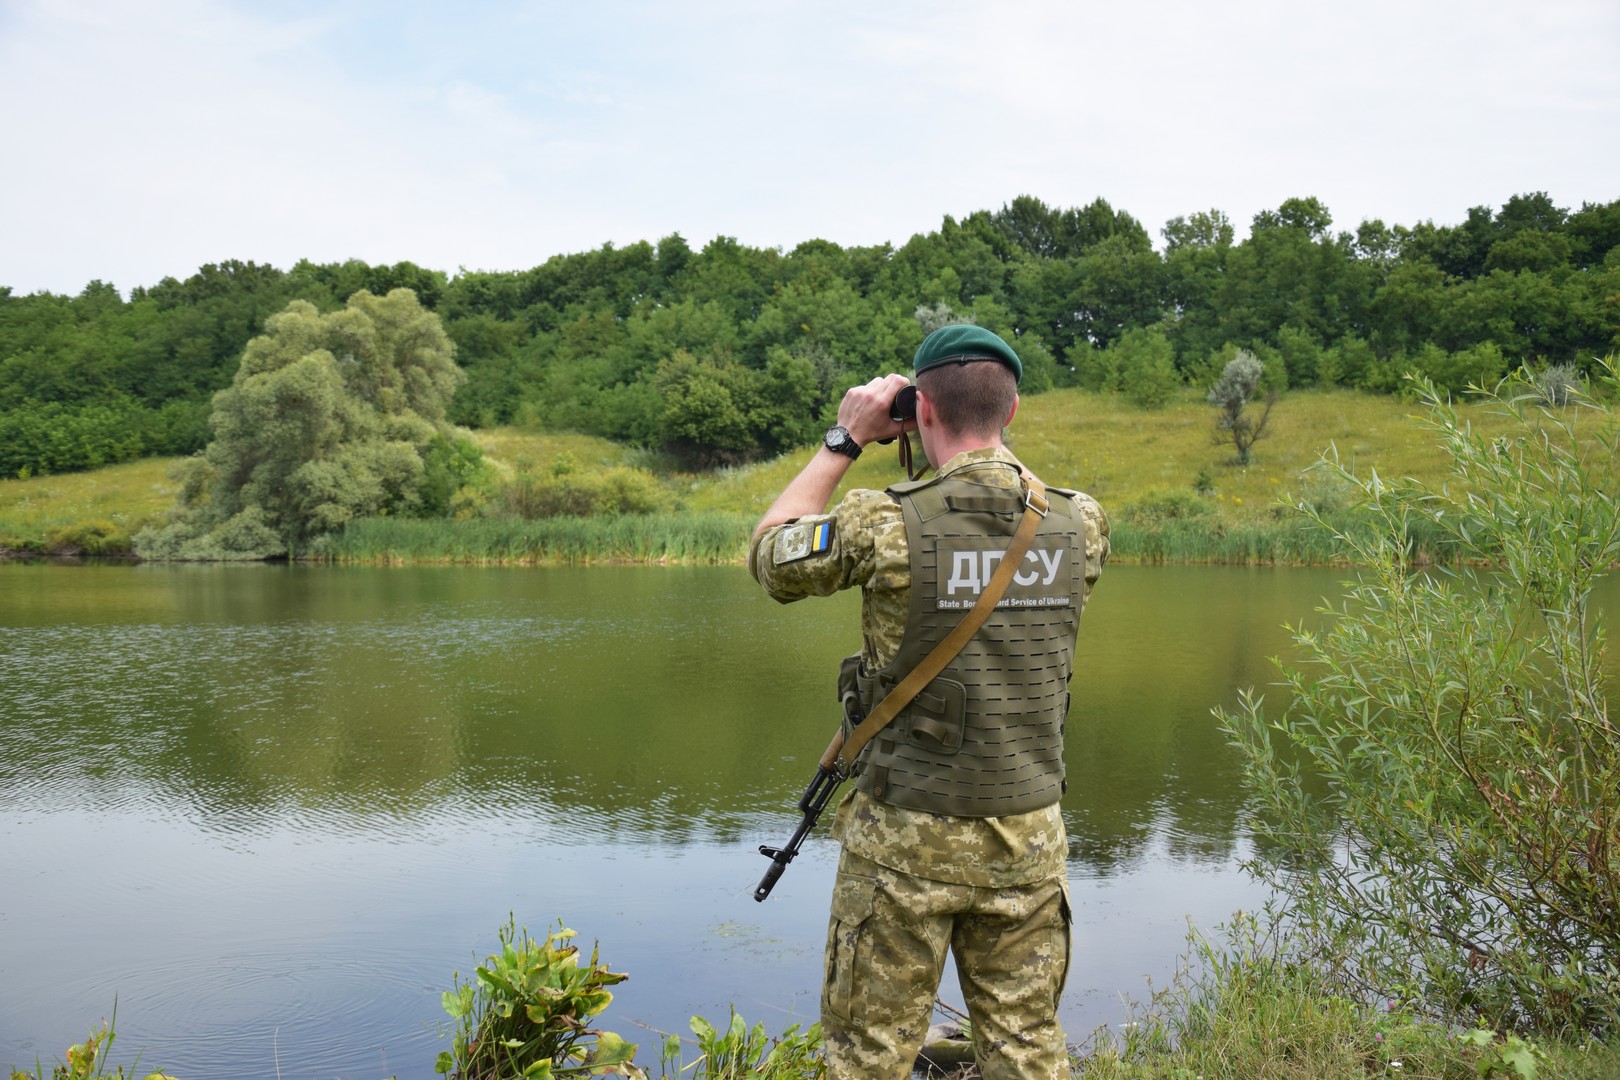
(797, 542)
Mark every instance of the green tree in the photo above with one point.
(1440, 800)
(327, 420)
(1048, 232)
(1293, 272)
(1143, 367)
(1120, 286)
(488, 350)
(706, 409)
(1195, 253)
(1402, 313)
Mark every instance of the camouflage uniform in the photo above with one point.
(912, 884)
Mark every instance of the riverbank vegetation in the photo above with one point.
(1237, 1010)
(1440, 796)
(1171, 493)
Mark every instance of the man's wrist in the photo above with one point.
(840, 441)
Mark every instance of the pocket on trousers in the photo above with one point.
(848, 946)
(1066, 936)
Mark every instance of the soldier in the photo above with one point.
(952, 837)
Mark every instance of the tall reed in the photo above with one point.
(1250, 542)
(711, 537)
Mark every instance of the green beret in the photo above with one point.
(961, 342)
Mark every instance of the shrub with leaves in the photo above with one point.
(527, 1014)
(1558, 384)
(1440, 801)
(88, 1060)
(565, 490)
(738, 1052)
(1240, 380)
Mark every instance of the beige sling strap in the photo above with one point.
(841, 753)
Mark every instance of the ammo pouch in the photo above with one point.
(935, 719)
(852, 709)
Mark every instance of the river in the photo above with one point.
(268, 810)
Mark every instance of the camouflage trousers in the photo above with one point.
(886, 945)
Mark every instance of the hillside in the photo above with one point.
(1136, 462)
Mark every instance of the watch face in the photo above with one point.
(839, 439)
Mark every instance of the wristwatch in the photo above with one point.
(839, 441)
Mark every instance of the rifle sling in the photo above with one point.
(841, 753)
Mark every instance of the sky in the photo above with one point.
(143, 139)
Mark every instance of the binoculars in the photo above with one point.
(904, 404)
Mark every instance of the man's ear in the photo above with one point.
(1012, 412)
(925, 410)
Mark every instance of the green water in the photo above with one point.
(270, 809)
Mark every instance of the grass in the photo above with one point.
(1237, 1011)
(89, 512)
(708, 537)
(1171, 494)
(1243, 1010)
(1121, 454)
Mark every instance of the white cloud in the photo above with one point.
(146, 139)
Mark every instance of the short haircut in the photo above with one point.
(971, 397)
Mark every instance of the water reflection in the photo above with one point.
(272, 808)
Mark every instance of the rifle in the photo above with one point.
(811, 803)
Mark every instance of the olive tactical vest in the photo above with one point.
(985, 738)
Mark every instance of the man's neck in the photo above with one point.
(951, 448)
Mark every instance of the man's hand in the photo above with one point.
(864, 412)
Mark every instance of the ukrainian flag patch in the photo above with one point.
(797, 542)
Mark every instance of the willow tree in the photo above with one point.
(1239, 382)
(1439, 801)
(326, 420)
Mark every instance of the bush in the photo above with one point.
(527, 1014)
(1301, 355)
(454, 475)
(38, 438)
(95, 537)
(1440, 801)
(567, 492)
(1251, 1007)
(1240, 380)
(1479, 365)
(1161, 506)
(1559, 384)
(1146, 367)
(245, 536)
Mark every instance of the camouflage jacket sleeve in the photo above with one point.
(1095, 536)
(860, 543)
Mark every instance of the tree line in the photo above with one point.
(729, 352)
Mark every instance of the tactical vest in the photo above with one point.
(985, 738)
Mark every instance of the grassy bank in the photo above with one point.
(706, 537)
(1171, 493)
(90, 513)
(1238, 1013)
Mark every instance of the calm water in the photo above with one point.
(270, 810)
